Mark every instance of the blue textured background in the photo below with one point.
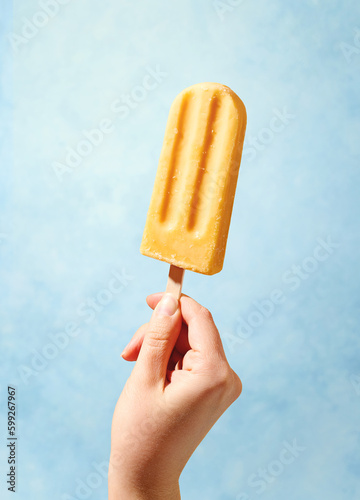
(63, 235)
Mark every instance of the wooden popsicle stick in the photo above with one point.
(175, 281)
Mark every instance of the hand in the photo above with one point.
(179, 387)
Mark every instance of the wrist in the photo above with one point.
(123, 487)
(123, 490)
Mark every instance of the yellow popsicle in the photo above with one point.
(190, 210)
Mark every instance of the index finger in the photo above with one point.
(202, 331)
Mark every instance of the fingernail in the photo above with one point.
(124, 351)
(167, 306)
(128, 347)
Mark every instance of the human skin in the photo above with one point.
(180, 385)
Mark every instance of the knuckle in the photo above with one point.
(158, 330)
(223, 379)
(156, 342)
(236, 385)
(157, 337)
(205, 313)
(227, 383)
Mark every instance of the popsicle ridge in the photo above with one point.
(204, 152)
(171, 152)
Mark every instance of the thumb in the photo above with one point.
(159, 340)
